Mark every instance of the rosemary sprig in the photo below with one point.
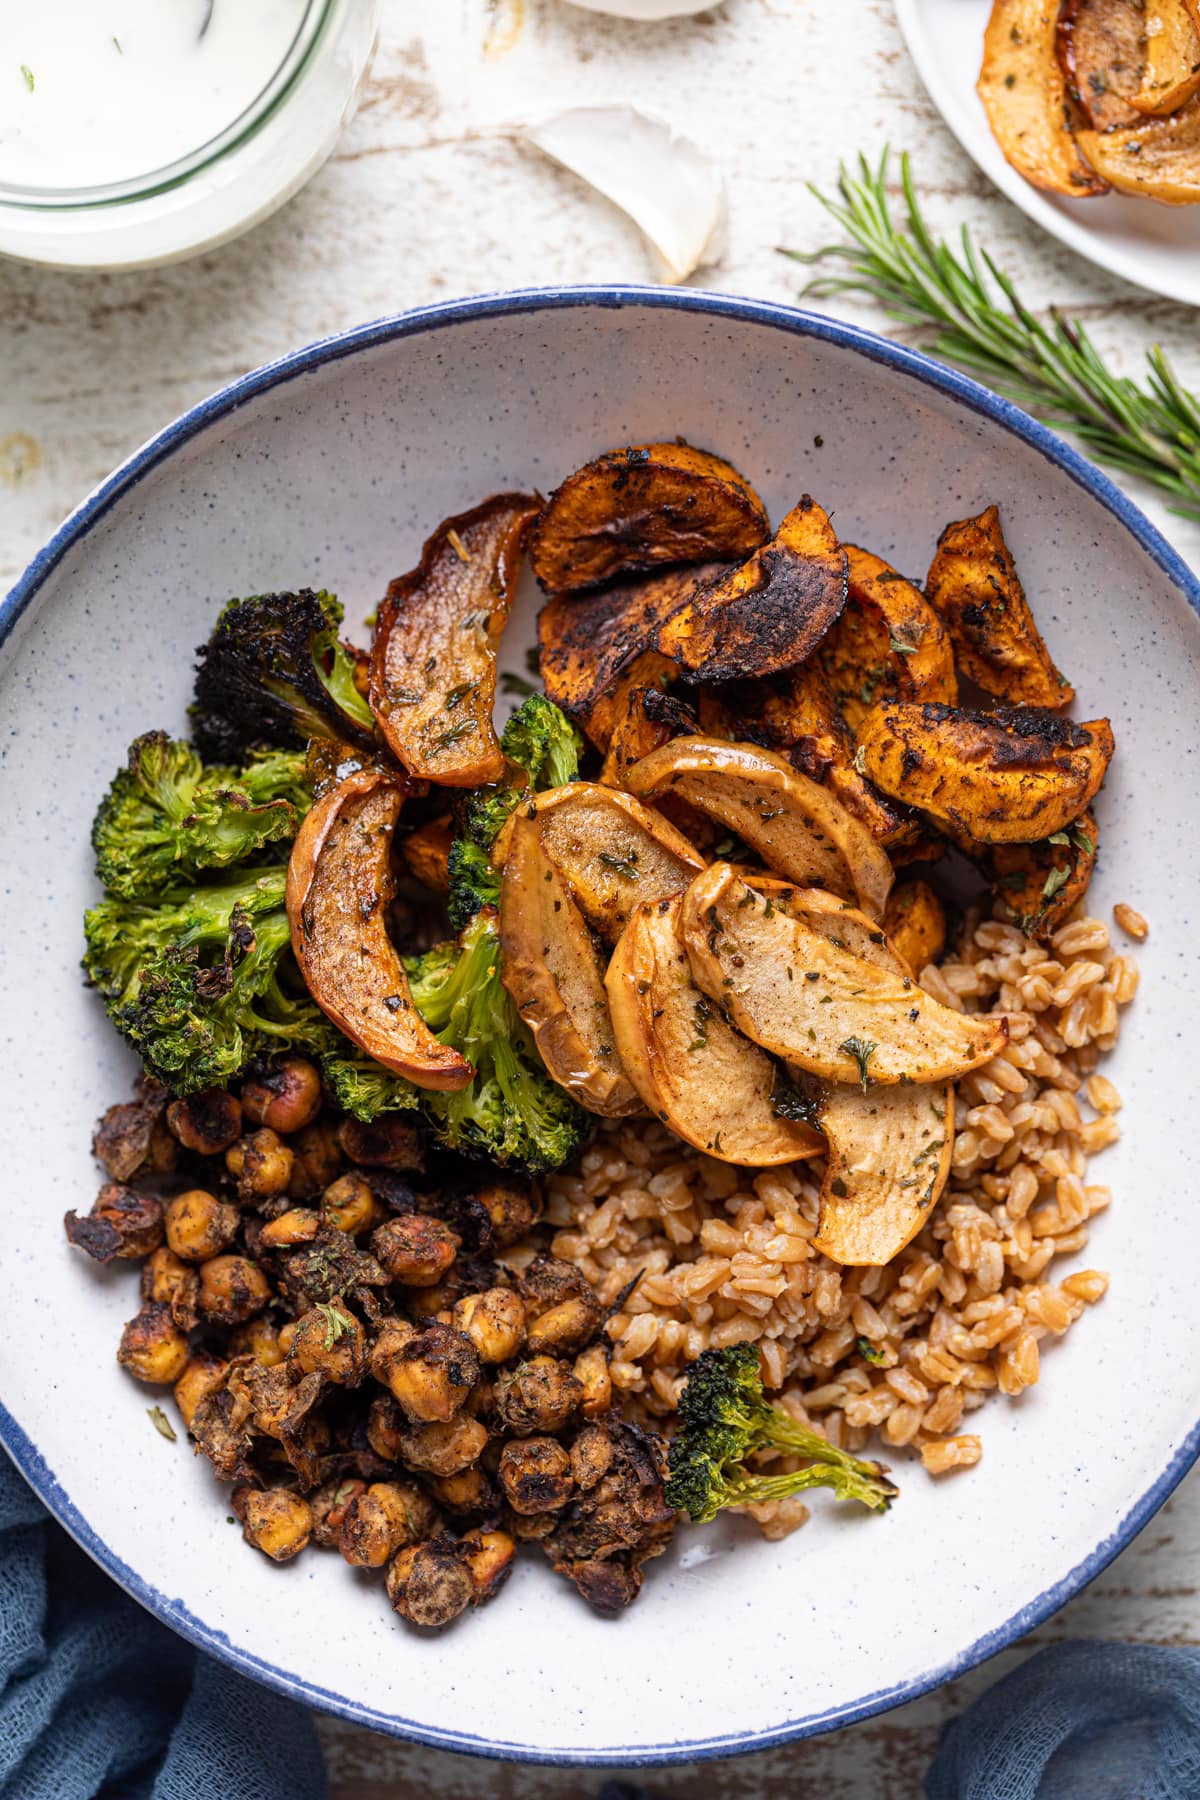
(972, 315)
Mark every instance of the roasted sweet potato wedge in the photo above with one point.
(1025, 97)
(433, 661)
(768, 614)
(1007, 777)
(1040, 883)
(974, 585)
(635, 734)
(804, 998)
(594, 650)
(888, 644)
(1101, 48)
(697, 1074)
(1158, 159)
(338, 888)
(551, 969)
(613, 852)
(915, 922)
(797, 828)
(426, 853)
(639, 508)
(1171, 70)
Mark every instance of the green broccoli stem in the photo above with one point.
(777, 1431)
(857, 1481)
(340, 685)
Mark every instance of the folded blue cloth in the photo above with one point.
(99, 1699)
(1079, 1722)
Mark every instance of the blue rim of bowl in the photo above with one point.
(327, 350)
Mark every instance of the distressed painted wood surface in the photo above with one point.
(431, 195)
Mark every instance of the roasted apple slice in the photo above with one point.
(974, 585)
(1101, 48)
(804, 998)
(768, 614)
(888, 1161)
(640, 507)
(1007, 777)
(1171, 70)
(433, 662)
(338, 888)
(797, 828)
(1158, 159)
(550, 967)
(1025, 97)
(613, 852)
(915, 922)
(711, 1085)
(888, 644)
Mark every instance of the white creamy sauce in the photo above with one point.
(99, 91)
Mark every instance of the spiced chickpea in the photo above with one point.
(329, 1341)
(316, 1160)
(329, 1503)
(123, 1223)
(386, 1426)
(429, 1584)
(415, 1250)
(591, 1371)
(511, 1211)
(261, 1164)
(390, 1338)
(232, 1290)
(494, 1321)
(466, 1492)
(152, 1346)
(168, 1278)
(298, 1225)
(259, 1338)
(287, 1335)
(349, 1204)
(443, 1448)
(284, 1098)
(535, 1474)
(199, 1225)
(433, 1373)
(386, 1143)
(275, 1520)
(489, 1557)
(202, 1375)
(540, 1395)
(591, 1457)
(381, 1521)
(207, 1122)
(566, 1327)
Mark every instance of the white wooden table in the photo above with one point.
(430, 196)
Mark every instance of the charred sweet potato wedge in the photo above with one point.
(433, 661)
(888, 644)
(639, 508)
(1007, 777)
(793, 824)
(596, 649)
(1024, 94)
(635, 734)
(612, 852)
(974, 586)
(806, 999)
(338, 888)
(1158, 159)
(711, 1085)
(1171, 70)
(915, 922)
(426, 853)
(769, 613)
(1101, 48)
(1040, 883)
(550, 967)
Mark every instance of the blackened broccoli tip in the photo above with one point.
(540, 739)
(274, 672)
(724, 1418)
(474, 883)
(511, 1111)
(364, 1088)
(486, 811)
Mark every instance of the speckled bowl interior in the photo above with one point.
(330, 469)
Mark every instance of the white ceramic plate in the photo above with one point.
(330, 468)
(1156, 247)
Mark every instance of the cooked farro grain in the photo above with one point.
(909, 1350)
(1130, 921)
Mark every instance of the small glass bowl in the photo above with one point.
(224, 186)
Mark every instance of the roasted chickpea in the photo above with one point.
(349, 1204)
(390, 1338)
(329, 1504)
(443, 1449)
(232, 1290)
(122, 1223)
(386, 1426)
(199, 1225)
(414, 1250)
(432, 1302)
(539, 1395)
(152, 1346)
(261, 1164)
(329, 1341)
(531, 1528)
(258, 1338)
(489, 1556)
(387, 1143)
(298, 1225)
(512, 1211)
(132, 1138)
(389, 1515)
(567, 1327)
(285, 1098)
(591, 1370)
(494, 1321)
(591, 1457)
(469, 1491)
(203, 1374)
(207, 1122)
(316, 1159)
(275, 1520)
(429, 1584)
(168, 1278)
(535, 1474)
(433, 1373)
(287, 1335)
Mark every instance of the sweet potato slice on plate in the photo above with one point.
(551, 969)
(804, 998)
(974, 585)
(426, 853)
(1040, 883)
(1024, 95)
(768, 614)
(697, 1074)
(1171, 71)
(433, 662)
(915, 922)
(1158, 159)
(635, 734)
(1101, 51)
(1007, 777)
(613, 852)
(595, 649)
(641, 507)
(888, 644)
(338, 888)
(797, 828)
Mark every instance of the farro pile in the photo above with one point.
(909, 1350)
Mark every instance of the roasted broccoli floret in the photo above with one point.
(724, 1418)
(511, 1112)
(474, 882)
(364, 1088)
(274, 672)
(542, 740)
(166, 817)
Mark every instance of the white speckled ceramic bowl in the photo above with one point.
(329, 468)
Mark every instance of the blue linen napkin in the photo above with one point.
(98, 1699)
